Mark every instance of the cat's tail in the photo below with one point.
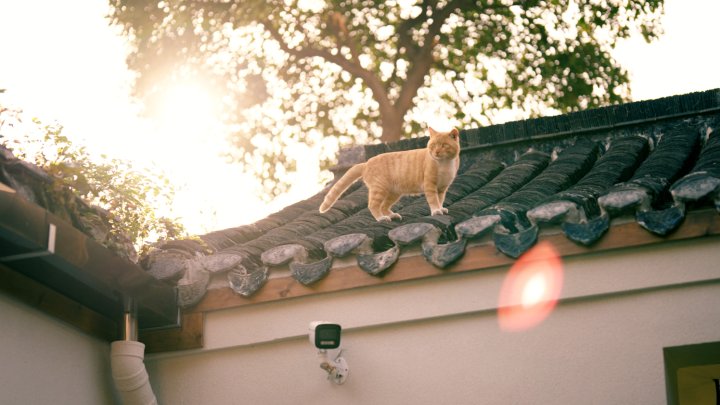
(350, 177)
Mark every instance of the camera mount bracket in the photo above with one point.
(337, 369)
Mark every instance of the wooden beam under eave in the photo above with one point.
(477, 257)
(57, 305)
(190, 335)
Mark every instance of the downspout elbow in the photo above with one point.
(129, 373)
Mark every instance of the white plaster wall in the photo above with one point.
(43, 361)
(437, 341)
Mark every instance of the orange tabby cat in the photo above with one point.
(391, 175)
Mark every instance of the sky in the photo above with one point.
(60, 60)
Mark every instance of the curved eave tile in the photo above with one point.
(514, 244)
(443, 255)
(296, 256)
(696, 186)
(309, 273)
(573, 220)
(345, 244)
(246, 281)
(554, 212)
(410, 233)
(661, 222)
(631, 197)
(626, 198)
(376, 263)
(587, 232)
(193, 286)
(439, 255)
(360, 244)
(219, 262)
(284, 254)
(476, 226)
(167, 265)
(703, 182)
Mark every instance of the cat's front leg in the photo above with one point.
(441, 199)
(434, 203)
(437, 209)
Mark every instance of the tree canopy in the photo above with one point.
(315, 72)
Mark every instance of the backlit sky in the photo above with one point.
(59, 60)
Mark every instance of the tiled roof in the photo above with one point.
(647, 161)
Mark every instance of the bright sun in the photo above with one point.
(189, 132)
(188, 110)
(192, 137)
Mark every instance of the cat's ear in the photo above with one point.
(432, 132)
(455, 134)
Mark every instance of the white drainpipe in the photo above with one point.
(128, 370)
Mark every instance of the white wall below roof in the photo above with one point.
(43, 361)
(437, 340)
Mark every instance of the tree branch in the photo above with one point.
(352, 66)
(405, 38)
(338, 22)
(424, 60)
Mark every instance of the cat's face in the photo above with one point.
(444, 145)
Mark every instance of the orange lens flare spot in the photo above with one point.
(531, 288)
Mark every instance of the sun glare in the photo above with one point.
(531, 289)
(189, 141)
(188, 110)
(534, 291)
(192, 138)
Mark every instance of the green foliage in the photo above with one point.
(130, 198)
(359, 70)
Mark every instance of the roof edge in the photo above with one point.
(54, 253)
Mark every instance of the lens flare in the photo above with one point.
(531, 289)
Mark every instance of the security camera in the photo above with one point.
(325, 335)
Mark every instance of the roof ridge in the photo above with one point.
(591, 120)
